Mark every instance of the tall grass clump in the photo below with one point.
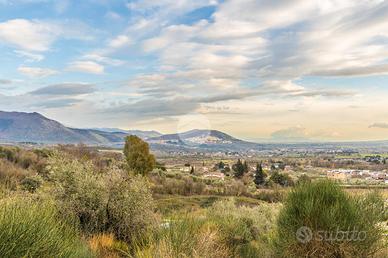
(32, 229)
(320, 220)
(247, 231)
(184, 237)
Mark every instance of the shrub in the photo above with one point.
(32, 229)
(31, 184)
(110, 202)
(184, 237)
(11, 174)
(242, 226)
(314, 213)
(79, 191)
(281, 179)
(130, 209)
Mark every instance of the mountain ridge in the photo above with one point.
(34, 127)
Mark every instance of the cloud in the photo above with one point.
(36, 72)
(65, 89)
(5, 81)
(120, 41)
(86, 67)
(153, 108)
(103, 59)
(356, 71)
(379, 125)
(56, 103)
(29, 35)
(31, 57)
(38, 35)
(296, 133)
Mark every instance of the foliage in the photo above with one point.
(105, 245)
(260, 175)
(281, 179)
(241, 225)
(240, 168)
(110, 202)
(323, 206)
(33, 229)
(304, 179)
(138, 155)
(130, 209)
(31, 184)
(184, 237)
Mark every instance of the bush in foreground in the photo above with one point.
(110, 202)
(32, 229)
(320, 220)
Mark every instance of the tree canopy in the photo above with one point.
(137, 153)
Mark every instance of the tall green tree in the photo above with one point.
(137, 154)
(260, 175)
(238, 169)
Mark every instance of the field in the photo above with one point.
(96, 204)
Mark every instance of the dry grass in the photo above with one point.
(106, 246)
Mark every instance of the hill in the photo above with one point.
(34, 127)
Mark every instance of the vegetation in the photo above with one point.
(30, 228)
(76, 201)
(260, 175)
(281, 179)
(323, 209)
(109, 202)
(138, 155)
(240, 168)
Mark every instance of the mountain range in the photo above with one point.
(16, 127)
(21, 127)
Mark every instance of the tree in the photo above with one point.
(238, 169)
(281, 179)
(246, 169)
(192, 170)
(221, 165)
(259, 175)
(137, 153)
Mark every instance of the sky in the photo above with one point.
(274, 70)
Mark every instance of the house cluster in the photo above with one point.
(345, 174)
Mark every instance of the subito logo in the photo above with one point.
(304, 235)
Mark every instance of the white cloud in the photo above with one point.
(86, 67)
(36, 71)
(31, 57)
(28, 35)
(103, 59)
(120, 41)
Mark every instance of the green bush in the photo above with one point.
(79, 191)
(130, 209)
(103, 202)
(32, 229)
(31, 184)
(315, 213)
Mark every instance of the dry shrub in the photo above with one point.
(106, 246)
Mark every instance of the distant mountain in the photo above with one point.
(201, 140)
(196, 137)
(18, 127)
(140, 133)
(33, 127)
